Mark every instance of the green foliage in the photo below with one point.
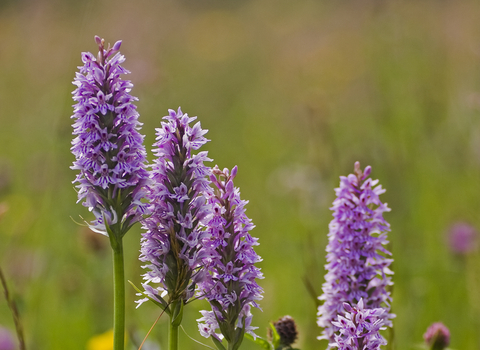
(177, 313)
(270, 344)
(262, 342)
(218, 343)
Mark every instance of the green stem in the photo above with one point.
(13, 308)
(172, 335)
(118, 296)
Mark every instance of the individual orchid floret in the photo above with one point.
(359, 328)
(172, 243)
(437, 336)
(108, 148)
(231, 285)
(357, 264)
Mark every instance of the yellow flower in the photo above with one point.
(102, 341)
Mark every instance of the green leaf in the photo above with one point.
(264, 343)
(225, 330)
(218, 344)
(177, 312)
(239, 333)
(111, 235)
(275, 337)
(219, 309)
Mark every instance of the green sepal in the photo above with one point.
(218, 343)
(111, 235)
(177, 313)
(169, 281)
(239, 333)
(224, 326)
(108, 118)
(219, 308)
(126, 226)
(162, 304)
(172, 177)
(225, 329)
(184, 284)
(264, 343)
(172, 273)
(275, 337)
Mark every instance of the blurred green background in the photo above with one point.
(293, 92)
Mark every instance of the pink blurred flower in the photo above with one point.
(7, 341)
(437, 336)
(462, 238)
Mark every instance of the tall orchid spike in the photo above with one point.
(357, 264)
(110, 158)
(172, 244)
(108, 147)
(231, 286)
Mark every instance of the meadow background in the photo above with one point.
(293, 92)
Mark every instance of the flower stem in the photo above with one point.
(13, 307)
(172, 335)
(118, 296)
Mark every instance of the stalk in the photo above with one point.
(13, 307)
(172, 335)
(109, 150)
(118, 296)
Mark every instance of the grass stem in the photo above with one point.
(14, 310)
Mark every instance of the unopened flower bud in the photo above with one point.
(234, 172)
(117, 45)
(287, 330)
(99, 40)
(367, 171)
